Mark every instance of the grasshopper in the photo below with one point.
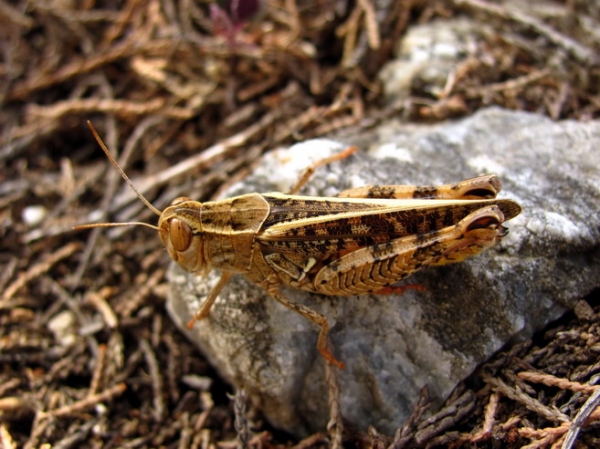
(365, 240)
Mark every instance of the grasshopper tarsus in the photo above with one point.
(329, 357)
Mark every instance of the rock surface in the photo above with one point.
(394, 345)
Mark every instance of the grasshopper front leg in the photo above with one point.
(204, 310)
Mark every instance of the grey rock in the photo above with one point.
(394, 345)
(427, 56)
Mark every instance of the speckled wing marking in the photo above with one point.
(375, 243)
(356, 224)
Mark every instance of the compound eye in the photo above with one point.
(181, 199)
(180, 235)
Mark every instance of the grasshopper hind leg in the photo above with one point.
(373, 268)
(478, 188)
(310, 170)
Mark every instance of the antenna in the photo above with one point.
(120, 170)
(128, 181)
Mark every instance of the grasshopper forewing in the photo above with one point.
(362, 241)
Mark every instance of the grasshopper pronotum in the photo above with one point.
(362, 241)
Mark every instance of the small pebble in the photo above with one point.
(34, 215)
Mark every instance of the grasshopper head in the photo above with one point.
(180, 230)
(179, 226)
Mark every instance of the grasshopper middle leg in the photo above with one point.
(312, 315)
